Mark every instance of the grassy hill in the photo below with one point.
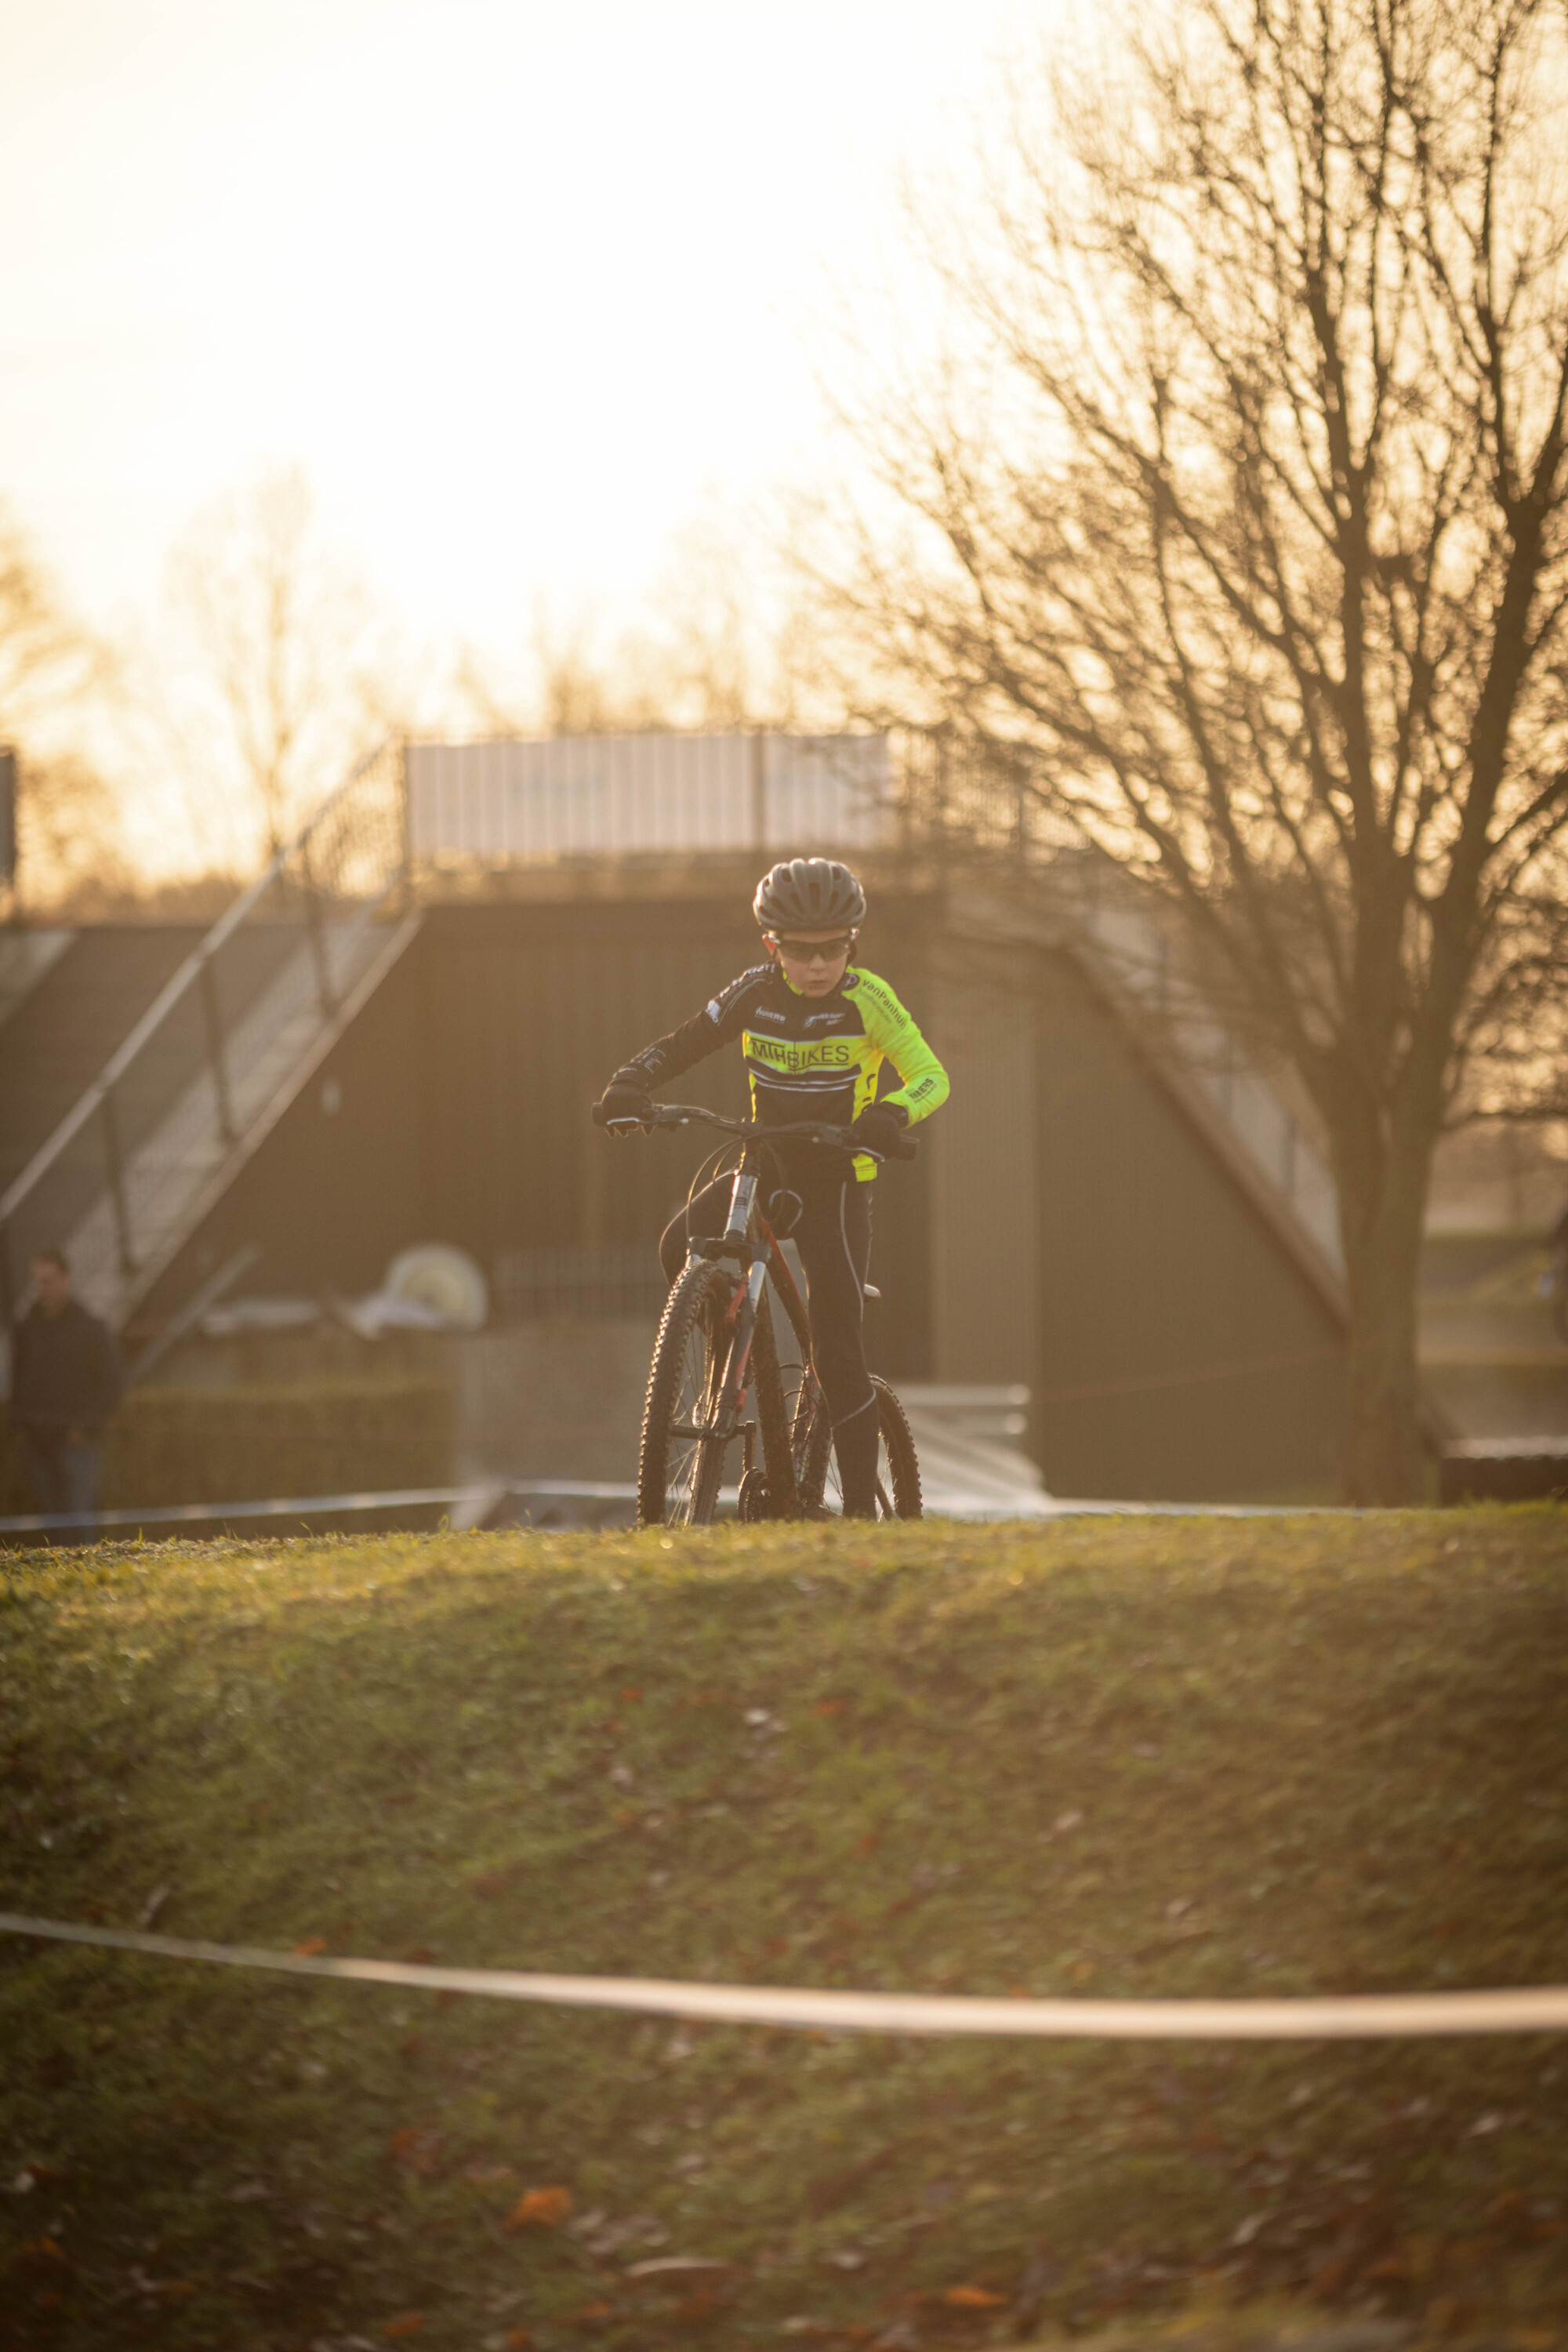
(1145, 1757)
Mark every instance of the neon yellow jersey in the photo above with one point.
(808, 1056)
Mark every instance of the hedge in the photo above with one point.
(242, 1443)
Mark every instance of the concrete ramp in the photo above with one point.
(969, 1440)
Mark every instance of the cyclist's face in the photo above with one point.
(813, 962)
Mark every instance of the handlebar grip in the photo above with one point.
(612, 1121)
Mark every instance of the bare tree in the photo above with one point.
(1242, 523)
(725, 641)
(51, 671)
(273, 675)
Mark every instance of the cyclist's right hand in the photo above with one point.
(622, 1107)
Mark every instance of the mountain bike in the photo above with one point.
(717, 1350)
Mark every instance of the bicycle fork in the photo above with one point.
(734, 1243)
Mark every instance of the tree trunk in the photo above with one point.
(1385, 1459)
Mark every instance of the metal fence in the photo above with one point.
(203, 1075)
(581, 796)
(621, 1279)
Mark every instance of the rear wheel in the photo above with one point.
(898, 1464)
(682, 1462)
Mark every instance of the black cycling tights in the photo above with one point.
(834, 1238)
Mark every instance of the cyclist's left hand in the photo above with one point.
(879, 1128)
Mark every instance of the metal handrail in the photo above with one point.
(360, 858)
(171, 994)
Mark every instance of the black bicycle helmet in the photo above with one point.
(809, 893)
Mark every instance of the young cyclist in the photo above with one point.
(815, 1030)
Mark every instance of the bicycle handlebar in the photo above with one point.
(809, 1131)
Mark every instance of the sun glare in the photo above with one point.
(516, 289)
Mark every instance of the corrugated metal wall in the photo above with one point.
(526, 1010)
(983, 1149)
(1183, 1354)
(1064, 1224)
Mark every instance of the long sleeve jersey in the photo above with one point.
(806, 1057)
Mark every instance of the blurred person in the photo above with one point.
(814, 1031)
(65, 1383)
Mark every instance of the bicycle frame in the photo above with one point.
(757, 1258)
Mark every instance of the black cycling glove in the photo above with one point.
(624, 1097)
(879, 1128)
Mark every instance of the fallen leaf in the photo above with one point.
(417, 2147)
(1245, 2231)
(1393, 2266)
(517, 2339)
(409, 2324)
(310, 1948)
(973, 2298)
(868, 1844)
(544, 2207)
(594, 2311)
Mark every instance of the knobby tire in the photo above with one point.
(684, 1385)
(899, 1492)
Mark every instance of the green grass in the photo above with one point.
(1144, 1757)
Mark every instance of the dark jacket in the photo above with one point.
(65, 1369)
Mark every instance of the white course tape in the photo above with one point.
(1328, 2017)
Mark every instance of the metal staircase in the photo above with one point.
(226, 1045)
(977, 814)
(1240, 1109)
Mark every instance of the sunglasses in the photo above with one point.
(808, 951)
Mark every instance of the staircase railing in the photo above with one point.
(198, 1077)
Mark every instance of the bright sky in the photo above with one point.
(519, 286)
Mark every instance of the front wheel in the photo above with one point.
(898, 1464)
(682, 1459)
